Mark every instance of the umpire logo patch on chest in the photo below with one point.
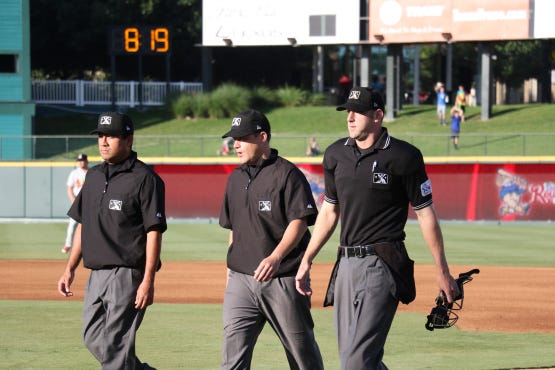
(115, 205)
(264, 206)
(380, 178)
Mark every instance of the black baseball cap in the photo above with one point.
(82, 157)
(248, 122)
(114, 124)
(363, 99)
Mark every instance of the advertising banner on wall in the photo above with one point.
(414, 21)
(284, 22)
(467, 191)
(503, 192)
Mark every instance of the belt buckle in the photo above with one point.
(359, 253)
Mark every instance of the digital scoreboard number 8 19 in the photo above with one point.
(139, 40)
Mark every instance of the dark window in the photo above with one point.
(8, 63)
(321, 25)
(363, 29)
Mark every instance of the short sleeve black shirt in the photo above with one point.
(259, 204)
(117, 206)
(374, 189)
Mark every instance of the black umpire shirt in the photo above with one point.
(374, 188)
(117, 205)
(259, 203)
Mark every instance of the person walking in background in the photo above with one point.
(370, 179)
(121, 211)
(472, 96)
(267, 207)
(457, 116)
(227, 147)
(313, 147)
(74, 183)
(460, 99)
(345, 84)
(442, 100)
(378, 86)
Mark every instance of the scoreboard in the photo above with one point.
(140, 40)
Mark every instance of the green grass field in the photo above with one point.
(513, 130)
(47, 334)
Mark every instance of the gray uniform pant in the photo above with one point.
(110, 319)
(364, 309)
(248, 304)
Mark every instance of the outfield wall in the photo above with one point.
(465, 190)
(461, 191)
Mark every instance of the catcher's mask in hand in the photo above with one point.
(443, 315)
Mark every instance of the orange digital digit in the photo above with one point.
(159, 40)
(131, 42)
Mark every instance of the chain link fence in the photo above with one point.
(63, 148)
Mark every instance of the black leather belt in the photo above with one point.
(356, 251)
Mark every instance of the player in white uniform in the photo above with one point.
(75, 182)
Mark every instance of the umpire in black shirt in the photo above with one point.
(370, 180)
(268, 207)
(121, 212)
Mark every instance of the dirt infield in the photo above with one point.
(505, 299)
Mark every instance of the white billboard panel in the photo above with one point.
(281, 22)
(544, 26)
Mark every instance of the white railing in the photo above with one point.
(81, 93)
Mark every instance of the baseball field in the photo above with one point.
(506, 320)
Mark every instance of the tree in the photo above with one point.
(433, 64)
(518, 61)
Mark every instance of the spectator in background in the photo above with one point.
(345, 84)
(442, 100)
(378, 86)
(460, 98)
(227, 146)
(472, 96)
(74, 183)
(313, 147)
(457, 116)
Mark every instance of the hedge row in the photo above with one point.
(229, 99)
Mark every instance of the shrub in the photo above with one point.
(201, 105)
(264, 97)
(229, 99)
(216, 111)
(291, 96)
(317, 99)
(182, 106)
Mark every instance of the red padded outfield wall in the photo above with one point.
(468, 191)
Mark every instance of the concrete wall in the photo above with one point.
(33, 191)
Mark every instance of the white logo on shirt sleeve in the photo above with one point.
(426, 188)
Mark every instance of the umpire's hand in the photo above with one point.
(267, 268)
(64, 284)
(302, 280)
